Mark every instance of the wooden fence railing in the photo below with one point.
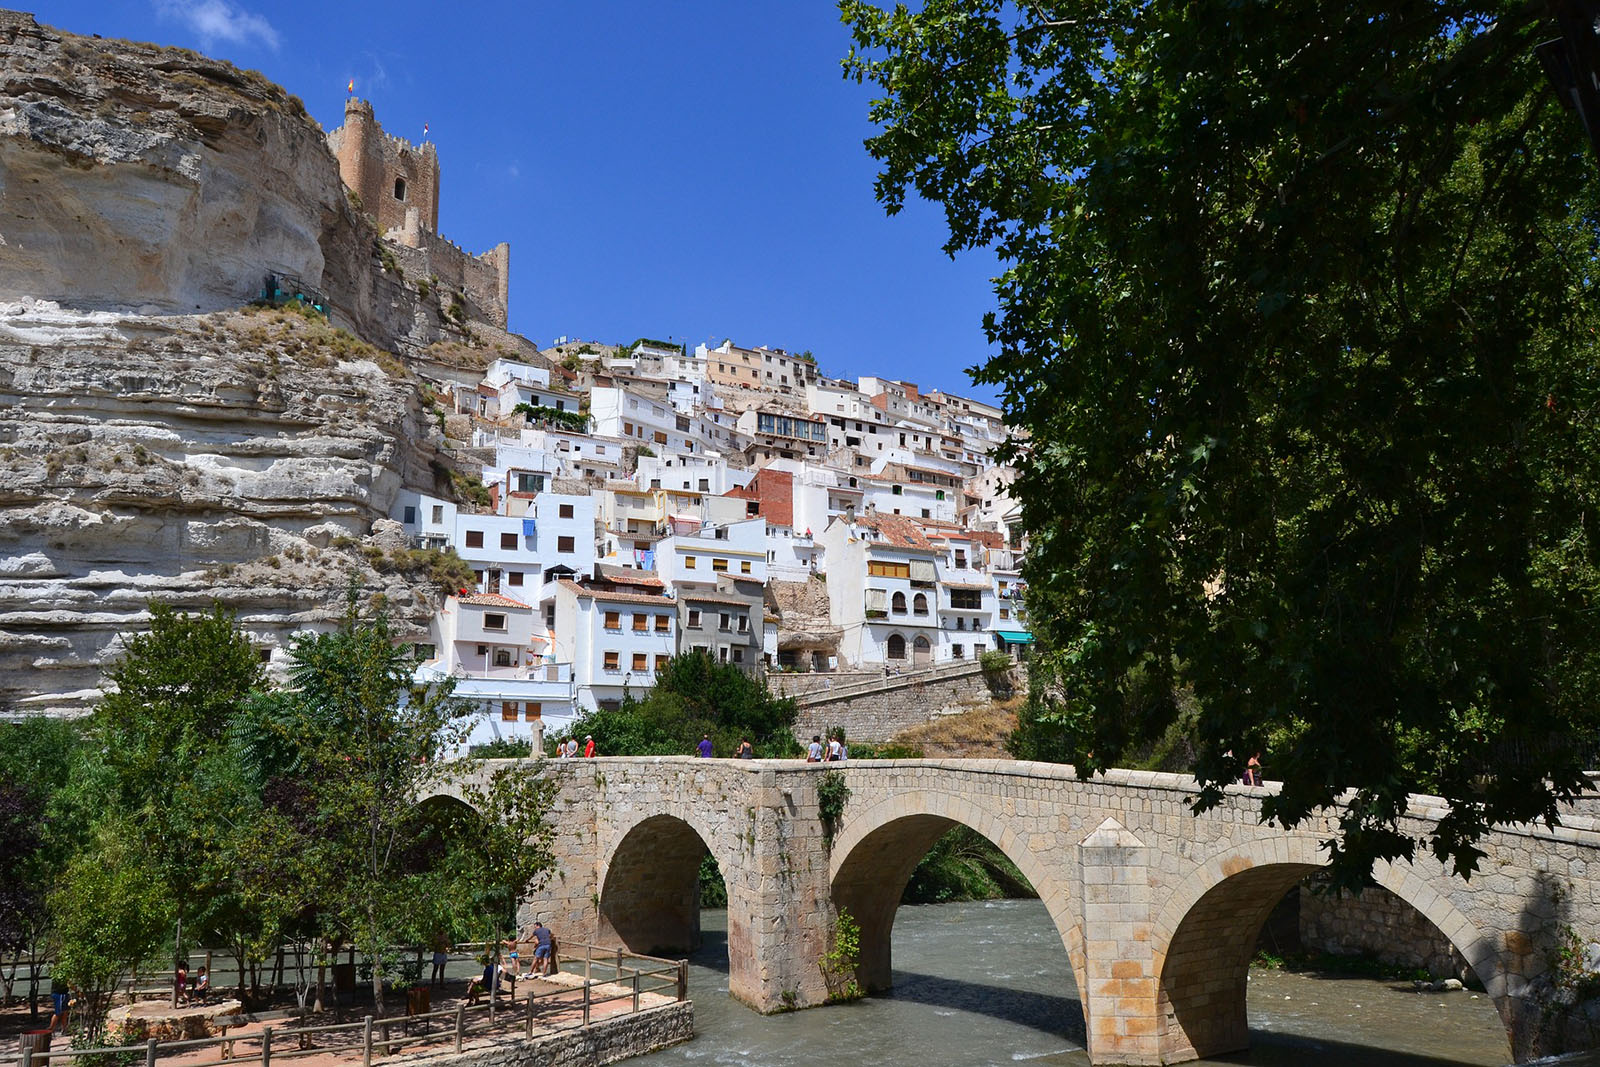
(543, 1011)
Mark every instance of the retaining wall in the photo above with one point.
(606, 1041)
(877, 711)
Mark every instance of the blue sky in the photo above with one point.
(690, 169)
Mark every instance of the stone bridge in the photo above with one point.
(1158, 909)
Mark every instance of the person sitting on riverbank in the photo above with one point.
(484, 983)
(202, 986)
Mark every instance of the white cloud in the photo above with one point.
(219, 20)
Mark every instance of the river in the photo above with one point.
(989, 983)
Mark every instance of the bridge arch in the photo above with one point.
(880, 846)
(650, 885)
(1204, 937)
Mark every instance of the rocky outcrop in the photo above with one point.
(154, 180)
(237, 458)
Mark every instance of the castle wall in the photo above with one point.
(482, 279)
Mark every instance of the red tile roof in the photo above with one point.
(630, 576)
(606, 594)
(493, 600)
(896, 531)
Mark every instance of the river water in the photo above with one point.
(989, 983)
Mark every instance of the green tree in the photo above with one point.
(162, 728)
(39, 831)
(372, 744)
(693, 695)
(1298, 317)
(111, 911)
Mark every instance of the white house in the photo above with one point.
(700, 557)
(883, 591)
(513, 554)
(616, 641)
(502, 659)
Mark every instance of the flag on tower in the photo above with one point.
(424, 129)
(351, 87)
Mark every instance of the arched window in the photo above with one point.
(921, 650)
(502, 657)
(399, 188)
(919, 606)
(898, 605)
(897, 647)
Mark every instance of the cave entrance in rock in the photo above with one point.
(959, 953)
(651, 898)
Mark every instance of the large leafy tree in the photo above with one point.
(372, 744)
(1298, 317)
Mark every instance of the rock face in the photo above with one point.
(241, 458)
(154, 446)
(157, 181)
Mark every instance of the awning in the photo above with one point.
(1015, 637)
(922, 570)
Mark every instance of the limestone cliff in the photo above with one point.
(239, 457)
(153, 445)
(158, 181)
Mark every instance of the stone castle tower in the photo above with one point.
(390, 175)
(398, 184)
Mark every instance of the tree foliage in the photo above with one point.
(1298, 317)
(695, 695)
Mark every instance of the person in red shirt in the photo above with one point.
(588, 747)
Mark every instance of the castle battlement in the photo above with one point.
(398, 184)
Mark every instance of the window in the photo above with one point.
(744, 566)
(961, 623)
(400, 194)
(1005, 613)
(613, 620)
(938, 494)
(532, 711)
(898, 605)
(661, 664)
(961, 559)
(264, 655)
(663, 623)
(896, 647)
(969, 599)
(641, 662)
(627, 429)
(566, 511)
(722, 654)
(926, 514)
(494, 621)
(705, 485)
(719, 565)
(474, 538)
(877, 569)
(508, 711)
(438, 513)
(514, 578)
(419, 652)
(694, 618)
(641, 622)
(502, 657)
(508, 540)
(744, 624)
(896, 490)
(660, 438)
(411, 516)
(723, 620)
(613, 661)
(738, 655)
(566, 544)
(688, 563)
